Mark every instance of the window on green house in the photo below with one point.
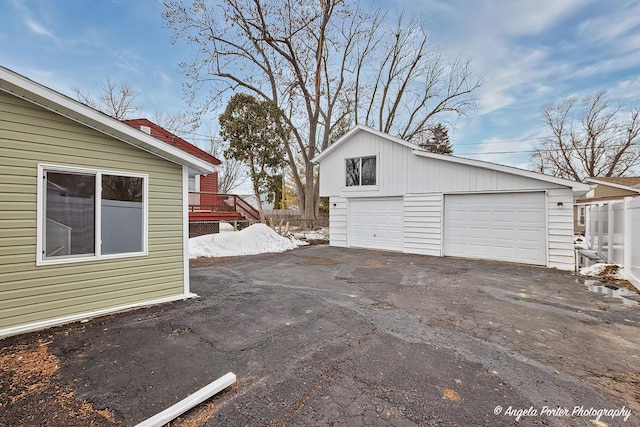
(91, 214)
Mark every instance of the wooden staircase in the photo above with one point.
(204, 206)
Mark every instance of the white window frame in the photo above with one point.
(97, 255)
(196, 180)
(582, 217)
(360, 185)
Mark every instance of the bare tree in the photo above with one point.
(313, 60)
(117, 100)
(590, 138)
(232, 174)
(177, 123)
(414, 82)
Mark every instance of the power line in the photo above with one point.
(544, 150)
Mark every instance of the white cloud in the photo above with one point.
(165, 78)
(626, 89)
(39, 29)
(34, 25)
(128, 60)
(527, 17)
(613, 26)
(491, 32)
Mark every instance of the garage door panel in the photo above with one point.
(376, 223)
(505, 226)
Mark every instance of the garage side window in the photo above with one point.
(361, 171)
(89, 214)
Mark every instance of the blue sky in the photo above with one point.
(529, 52)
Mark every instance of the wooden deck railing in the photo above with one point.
(200, 201)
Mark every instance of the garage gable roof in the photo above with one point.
(47, 98)
(416, 150)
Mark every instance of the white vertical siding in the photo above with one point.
(423, 224)
(338, 221)
(400, 172)
(422, 181)
(560, 229)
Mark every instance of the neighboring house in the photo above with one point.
(603, 190)
(199, 183)
(206, 204)
(93, 213)
(386, 193)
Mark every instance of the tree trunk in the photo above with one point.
(256, 191)
(263, 219)
(310, 191)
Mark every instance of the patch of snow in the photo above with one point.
(225, 227)
(321, 234)
(579, 242)
(256, 239)
(602, 270)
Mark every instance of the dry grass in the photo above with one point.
(449, 394)
(31, 393)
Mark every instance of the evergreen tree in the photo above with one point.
(437, 140)
(255, 130)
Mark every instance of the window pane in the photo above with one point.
(368, 171)
(69, 214)
(353, 172)
(581, 215)
(192, 183)
(122, 214)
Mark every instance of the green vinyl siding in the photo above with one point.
(30, 135)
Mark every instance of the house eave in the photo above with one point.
(612, 184)
(35, 93)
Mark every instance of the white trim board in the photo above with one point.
(88, 315)
(185, 229)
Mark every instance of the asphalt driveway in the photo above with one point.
(331, 336)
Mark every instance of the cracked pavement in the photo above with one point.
(324, 335)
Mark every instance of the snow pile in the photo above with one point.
(610, 271)
(225, 226)
(579, 242)
(256, 239)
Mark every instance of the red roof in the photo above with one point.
(166, 136)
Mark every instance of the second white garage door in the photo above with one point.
(375, 223)
(505, 227)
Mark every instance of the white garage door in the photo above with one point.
(375, 223)
(505, 227)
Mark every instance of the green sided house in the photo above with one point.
(93, 213)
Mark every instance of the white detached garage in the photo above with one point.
(385, 193)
